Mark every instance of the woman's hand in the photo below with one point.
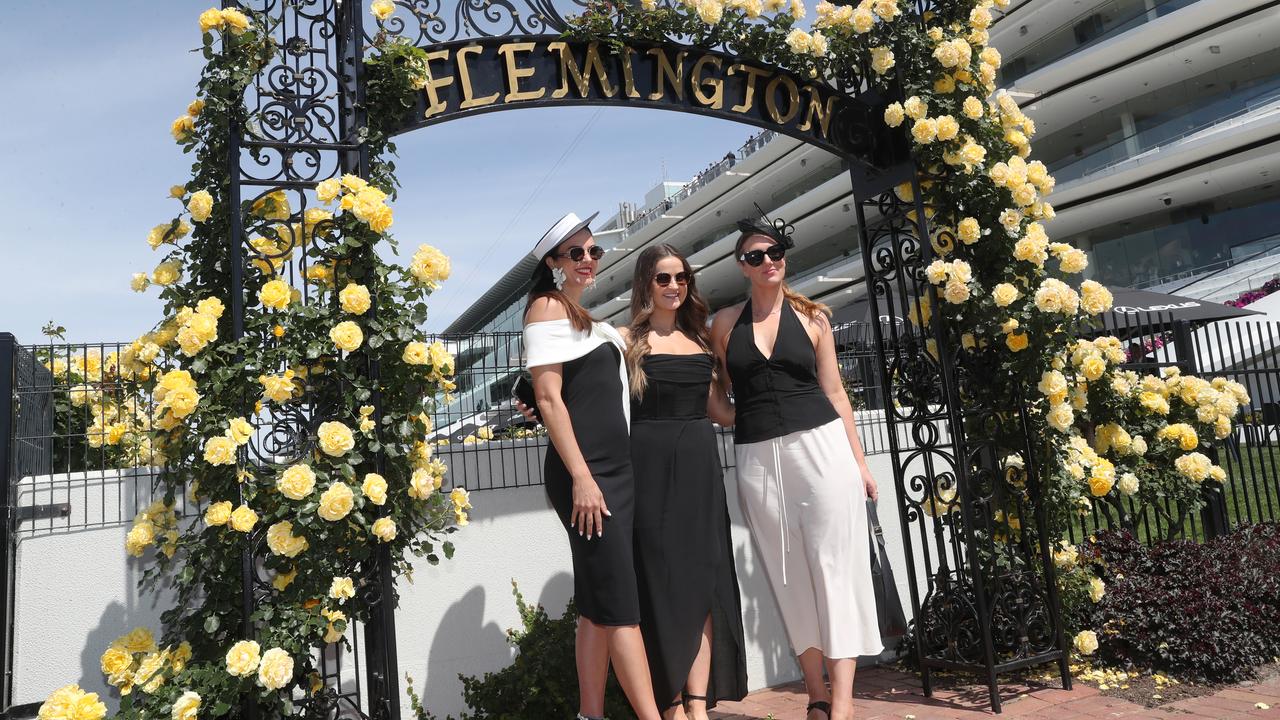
(869, 483)
(527, 412)
(589, 510)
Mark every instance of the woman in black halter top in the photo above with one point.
(690, 611)
(802, 479)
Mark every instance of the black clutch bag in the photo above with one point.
(893, 622)
(523, 391)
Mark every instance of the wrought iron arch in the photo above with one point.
(979, 606)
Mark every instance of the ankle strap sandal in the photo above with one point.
(822, 705)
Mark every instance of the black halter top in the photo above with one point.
(777, 395)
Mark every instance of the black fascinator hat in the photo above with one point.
(777, 228)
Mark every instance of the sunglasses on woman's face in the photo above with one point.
(664, 279)
(577, 253)
(755, 258)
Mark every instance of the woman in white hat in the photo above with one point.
(581, 388)
(802, 477)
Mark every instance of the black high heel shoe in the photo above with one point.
(822, 705)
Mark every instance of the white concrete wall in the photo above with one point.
(77, 590)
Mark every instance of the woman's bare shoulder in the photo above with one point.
(545, 309)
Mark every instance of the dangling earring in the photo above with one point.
(557, 275)
(592, 282)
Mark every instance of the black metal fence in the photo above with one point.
(487, 444)
(1241, 350)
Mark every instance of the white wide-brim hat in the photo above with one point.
(564, 229)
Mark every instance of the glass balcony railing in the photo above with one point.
(649, 214)
(1170, 126)
(1103, 22)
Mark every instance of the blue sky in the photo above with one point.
(85, 142)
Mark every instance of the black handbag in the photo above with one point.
(893, 622)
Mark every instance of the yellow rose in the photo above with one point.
(341, 589)
(219, 513)
(210, 19)
(863, 20)
(235, 21)
(284, 579)
(1095, 297)
(956, 292)
(187, 706)
(200, 205)
(336, 439)
(1017, 342)
(1195, 466)
(1086, 642)
(167, 273)
(421, 484)
(243, 519)
(1128, 484)
(972, 108)
(948, 128)
(969, 231)
(915, 107)
(275, 294)
(382, 9)
(384, 529)
(296, 482)
(1100, 486)
(1097, 589)
(460, 497)
(71, 703)
(115, 662)
(346, 335)
(183, 128)
(277, 388)
(924, 131)
(374, 488)
(282, 541)
(894, 115)
(336, 502)
(355, 299)
(332, 634)
(242, 658)
(1060, 416)
(220, 450)
(1093, 366)
(239, 430)
(1004, 294)
(139, 282)
(882, 60)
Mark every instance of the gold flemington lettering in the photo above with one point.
(771, 99)
(749, 96)
(515, 73)
(628, 74)
(581, 78)
(435, 105)
(815, 108)
(668, 73)
(715, 101)
(464, 74)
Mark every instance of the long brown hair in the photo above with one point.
(801, 304)
(691, 317)
(544, 286)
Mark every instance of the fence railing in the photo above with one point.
(81, 454)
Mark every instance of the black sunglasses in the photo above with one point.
(576, 253)
(664, 279)
(755, 258)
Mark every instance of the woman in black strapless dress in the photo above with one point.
(690, 612)
(580, 382)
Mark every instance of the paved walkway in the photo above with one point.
(886, 693)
